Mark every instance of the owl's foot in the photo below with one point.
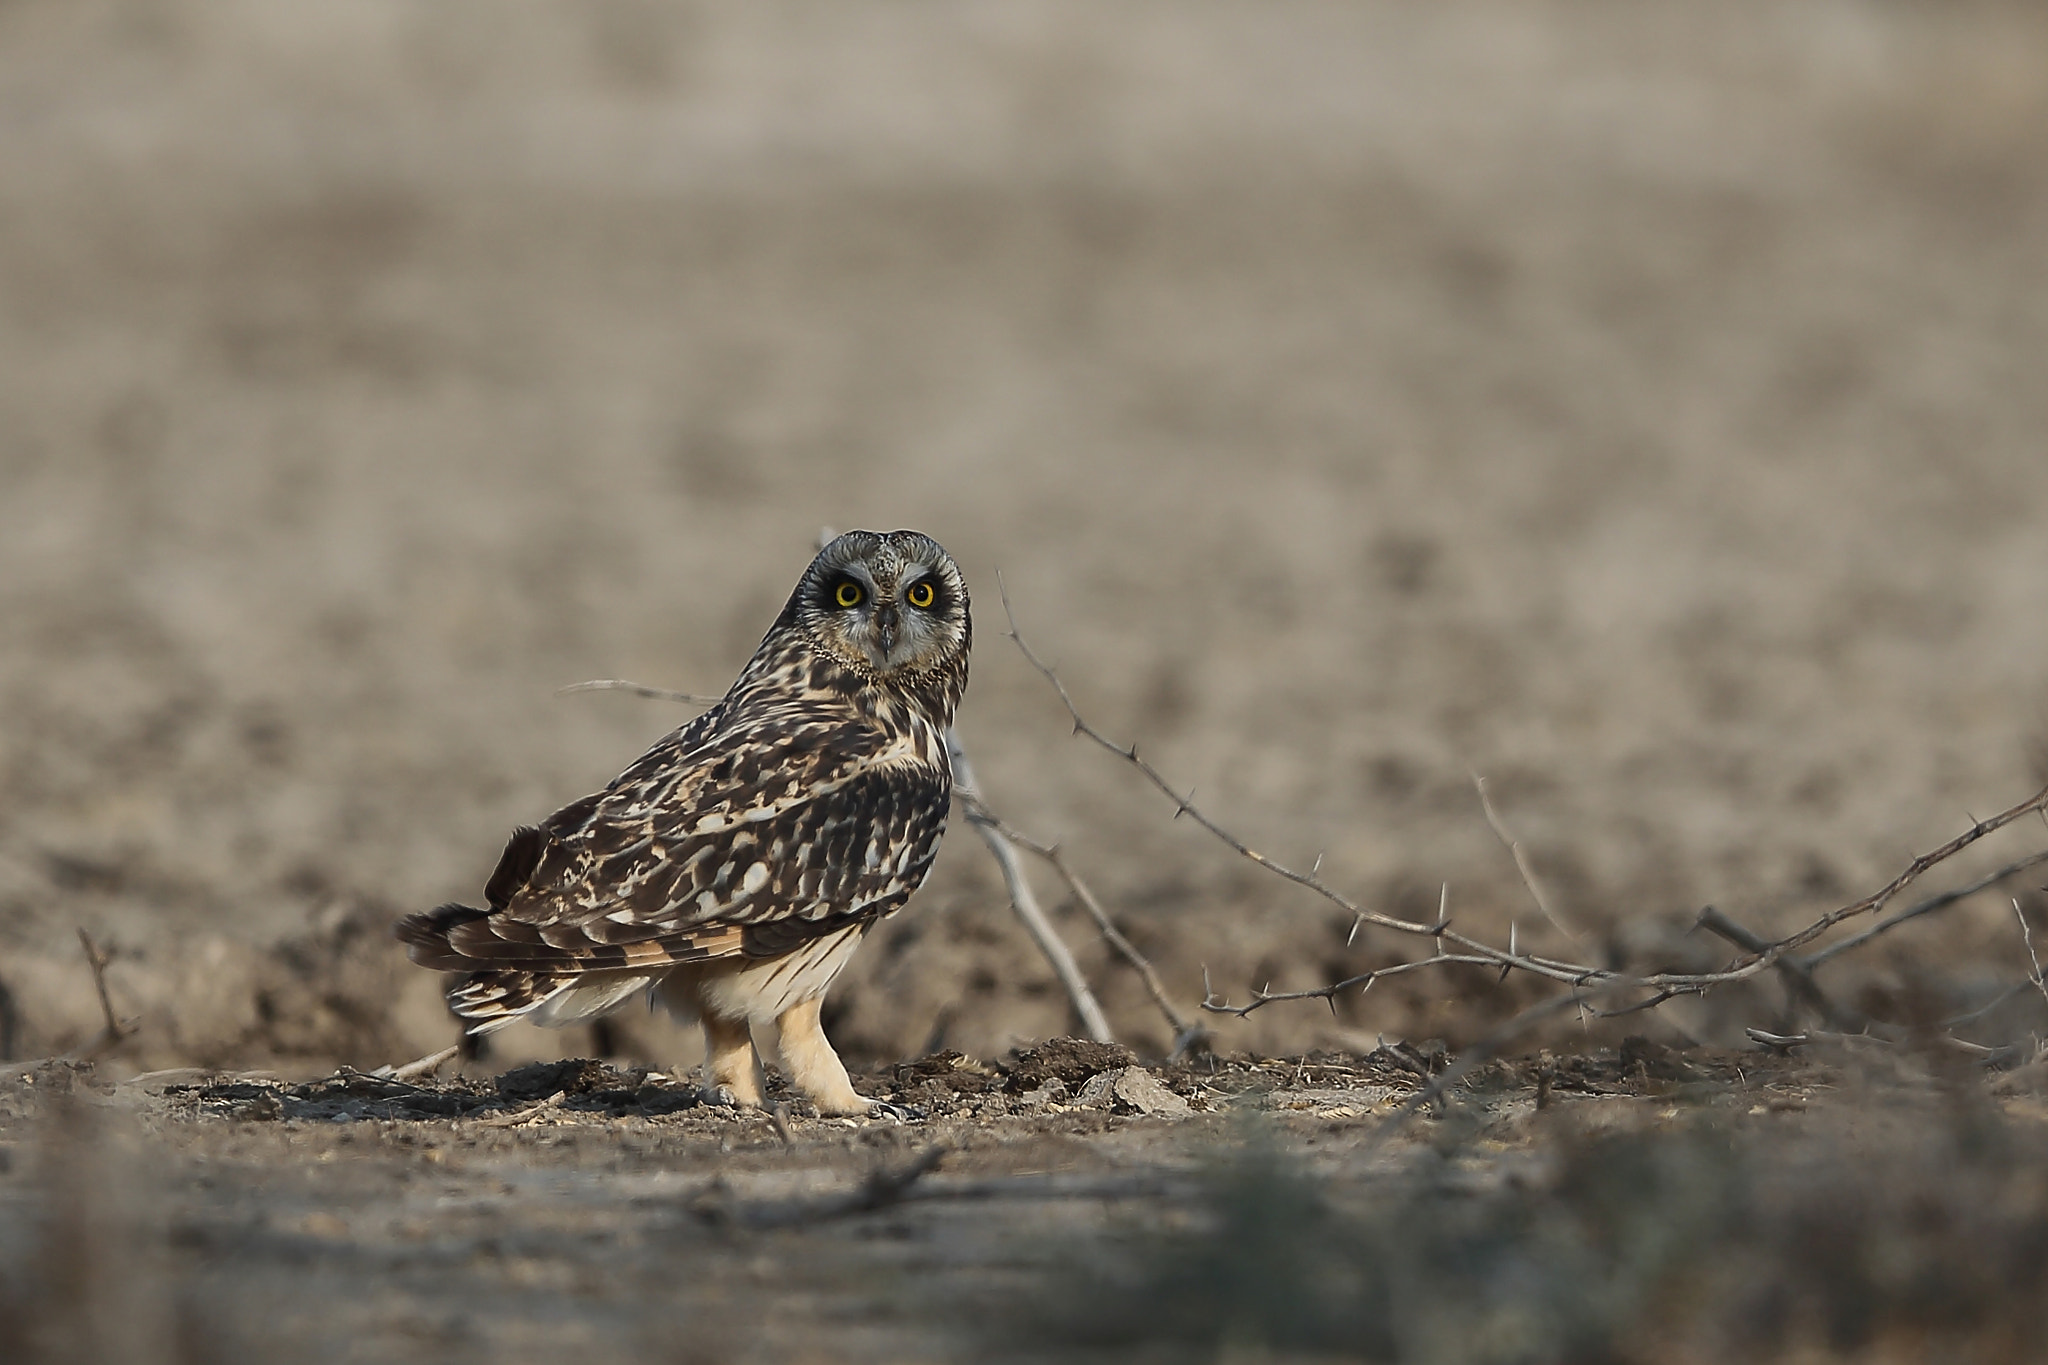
(900, 1113)
(732, 1073)
(819, 1073)
(723, 1097)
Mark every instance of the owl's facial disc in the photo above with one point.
(894, 601)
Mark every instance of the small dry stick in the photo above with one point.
(114, 1031)
(2027, 935)
(1185, 1034)
(1797, 972)
(638, 690)
(1993, 1003)
(886, 1187)
(1926, 907)
(1023, 900)
(425, 1066)
(527, 1115)
(1514, 848)
(883, 1189)
(1216, 1004)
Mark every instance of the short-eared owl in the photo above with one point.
(734, 869)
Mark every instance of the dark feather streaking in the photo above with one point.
(801, 808)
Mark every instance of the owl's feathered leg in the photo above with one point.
(812, 1063)
(732, 1072)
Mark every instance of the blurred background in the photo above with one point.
(1641, 405)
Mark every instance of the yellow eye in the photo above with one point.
(849, 595)
(920, 595)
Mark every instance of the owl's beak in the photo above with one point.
(887, 623)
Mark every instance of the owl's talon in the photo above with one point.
(900, 1113)
(721, 1097)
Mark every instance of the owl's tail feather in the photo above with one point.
(426, 936)
(492, 999)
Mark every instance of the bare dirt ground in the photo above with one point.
(1639, 1205)
(1638, 405)
(1640, 408)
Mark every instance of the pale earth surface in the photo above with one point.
(1638, 406)
(1639, 1206)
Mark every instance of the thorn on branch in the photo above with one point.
(1662, 986)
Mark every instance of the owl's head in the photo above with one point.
(886, 604)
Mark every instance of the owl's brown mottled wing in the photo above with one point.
(719, 842)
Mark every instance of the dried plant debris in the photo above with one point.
(1068, 1073)
(578, 1086)
(344, 1096)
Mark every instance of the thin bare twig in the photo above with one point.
(1916, 869)
(1991, 1055)
(2027, 935)
(1926, 907)
(1215, 1004)
(1023, 900)
(1786, 1042)
(1185, 1033)
(414, 1070)
(1957, 1021)
(778, 1114)
(1798, 972)
(1661, 986)
(1888, 1035)
(1514, 847)
(883, 1188)
(526, 1115)
(114, 1031)
(638, 690)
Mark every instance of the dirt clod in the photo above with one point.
(1131, 1089)
(1071, 1061)
(573, 1076)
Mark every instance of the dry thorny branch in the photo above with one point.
(1022, 899)
(1585, 981)
(1186, 1033)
